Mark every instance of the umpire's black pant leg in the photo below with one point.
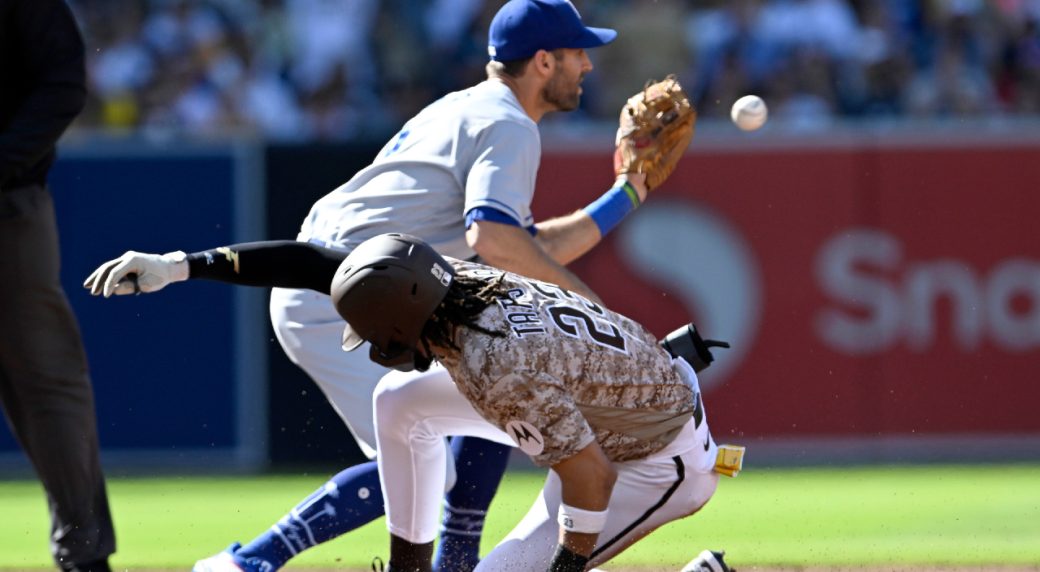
(45, 386)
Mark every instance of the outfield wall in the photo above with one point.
(179, 376)
(881, 290)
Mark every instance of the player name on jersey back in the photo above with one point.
(570, 369)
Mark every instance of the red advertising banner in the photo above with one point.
(868, 290)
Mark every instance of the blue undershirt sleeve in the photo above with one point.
(494, 215)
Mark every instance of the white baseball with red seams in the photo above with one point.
(749, 112)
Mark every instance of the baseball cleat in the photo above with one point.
(228, 561)
(708, 561)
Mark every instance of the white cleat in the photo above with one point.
(708, 561)
(222, 562)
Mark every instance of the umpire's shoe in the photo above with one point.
(708, 561)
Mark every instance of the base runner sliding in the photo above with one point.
(582, 390)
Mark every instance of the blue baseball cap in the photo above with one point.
(522, 27)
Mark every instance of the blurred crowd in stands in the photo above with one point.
(338, 69)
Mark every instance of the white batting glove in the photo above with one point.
(136, 272)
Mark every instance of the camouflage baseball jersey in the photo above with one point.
(568, 371)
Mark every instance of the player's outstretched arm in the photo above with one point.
(511, 248)
(566, 238)
(136, 272)
(655, 128)
(281, 263)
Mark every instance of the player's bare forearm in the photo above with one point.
(567, 238)
(586, 482)
(512, 248)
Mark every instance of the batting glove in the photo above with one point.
(136, 272)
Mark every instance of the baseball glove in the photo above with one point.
(655, 128)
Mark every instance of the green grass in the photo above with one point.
(857, 516)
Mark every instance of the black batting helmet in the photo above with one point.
(386, 290)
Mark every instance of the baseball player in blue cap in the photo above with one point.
(461, 176)
(523, 27)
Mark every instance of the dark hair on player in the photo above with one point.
(467, 298)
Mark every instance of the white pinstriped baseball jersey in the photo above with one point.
(472, 148)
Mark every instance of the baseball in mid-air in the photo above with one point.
(749, 112)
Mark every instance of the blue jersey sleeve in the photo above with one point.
(494, 215)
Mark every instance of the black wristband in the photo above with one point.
(566, 560)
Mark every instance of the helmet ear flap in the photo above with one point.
(402, 361)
